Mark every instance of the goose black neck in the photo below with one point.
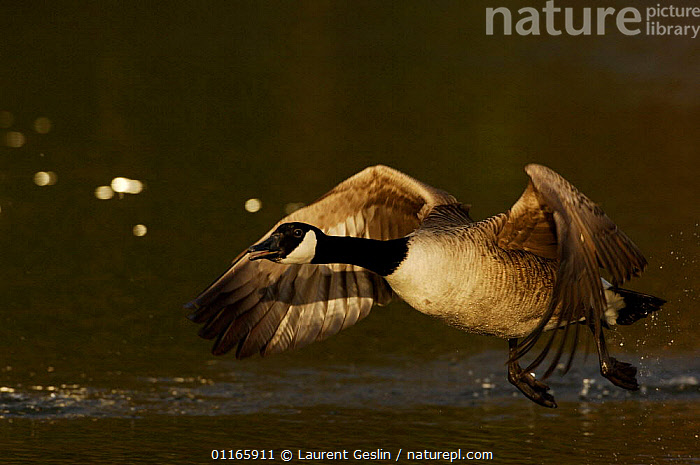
(382, 257)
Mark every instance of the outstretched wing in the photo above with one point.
(554, 220)
(266, 307)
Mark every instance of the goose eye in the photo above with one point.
(298, 233)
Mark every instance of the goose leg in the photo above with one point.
(526, 382)
(619, 373)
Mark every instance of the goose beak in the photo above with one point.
(269, 248)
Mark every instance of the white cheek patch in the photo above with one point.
(304, 252)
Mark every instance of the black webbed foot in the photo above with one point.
(532, 388)
(620, 373)
(527, 383)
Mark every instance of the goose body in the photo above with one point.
(460, 276)
(382, 233)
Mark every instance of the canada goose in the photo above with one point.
(381, 232)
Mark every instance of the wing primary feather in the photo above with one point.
(352, 307)
(260, 336)
(223, 320)
(572, 351)
(311, 314)
(333, 318)
(552, 211)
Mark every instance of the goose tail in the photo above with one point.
(636, 306)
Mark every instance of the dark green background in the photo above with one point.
(212, 103)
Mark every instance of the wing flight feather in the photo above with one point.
(554, 220)
(260, 306)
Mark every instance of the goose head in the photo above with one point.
(290, 243)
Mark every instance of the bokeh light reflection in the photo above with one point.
(42, 125)
(45, 178)
(15, 139)
(139, 230)
(104, 192)
(253, 205)
(126, 186)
